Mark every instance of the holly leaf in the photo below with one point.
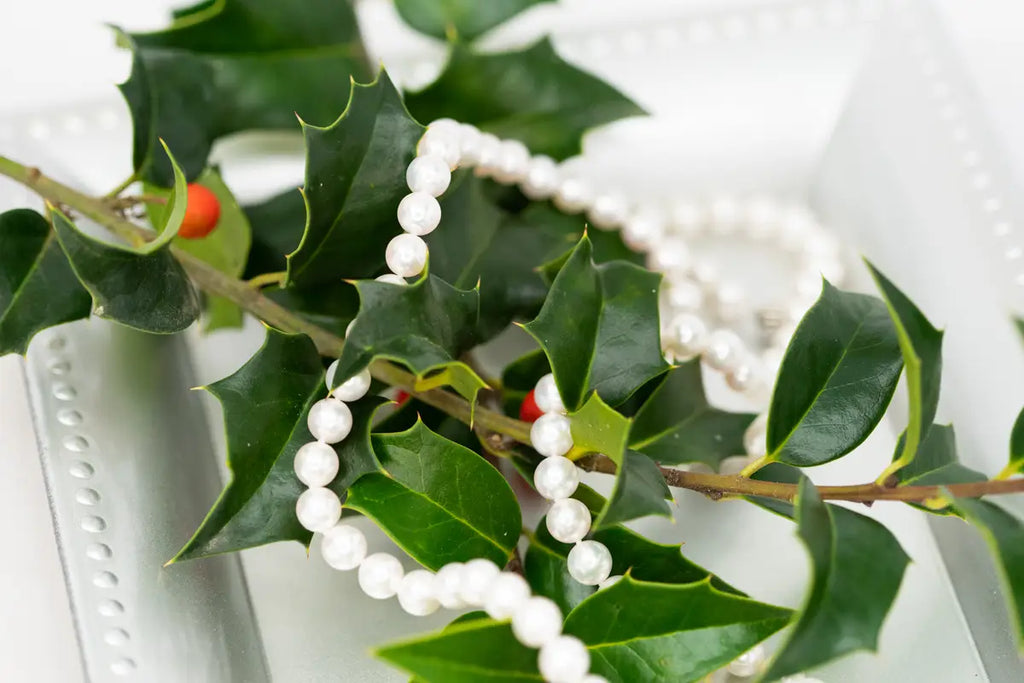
(599, 328)
(1016, 463)
(640, 631)
(1004, 535)
(462, 19)
(547, 572)
(857, 566)
(676, 424)
(265, 405)
(38, 288)
(439, 501)
(597, 428)
(836, 379)
(277, 224)
(921, 346)
(424, 326)
(532, 95)
(639, 490)
(936, 464)
(236, 65)
(355, 178)
(468, 652)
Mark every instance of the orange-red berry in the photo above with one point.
(201, 213)
(528, 410)
(401, 397)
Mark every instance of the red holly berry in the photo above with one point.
(401, 397)
(201, 213)
(528, 411)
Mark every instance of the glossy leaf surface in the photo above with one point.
(463, 19)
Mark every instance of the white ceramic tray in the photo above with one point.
(858, 109)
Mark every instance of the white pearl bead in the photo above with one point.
(329, 420)
(441, 143)
(352, 389)
(608, 211)
(555, 478)
(506, 593)
(546, 395)
(671, 256)
(469, 144)
(428, 174)
(748, 663)
(318, 509)
(477, 576)
(380, 575)
(564, 660)
(685, 336)
(348, 332)
(489, 150)
(590, 562)
(513, 162)
(444, 125)
(316, 464)
(594, 678)
(734, 464)
(609, 582)
(447, 583)
(568, 520)
(416, 593)
(419, 213)
(688, 217)
(680, 296)
(724, 349)
(551, 435)
(541, 180)
(391, 279)
(343, 547)
(755, 439)
(537, 621)
(730, 302)
(643, 229)
(742, 376)
(406, 255)
(573, 195)
(725, 214)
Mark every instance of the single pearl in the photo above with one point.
(444, 125)
(406, 255)
(742, 376)
(354, 388)
(318, 509)
(506, 593)
(391, 279)
(348, 331)
(416, 593)
(447, 583)
(748, 663)
(643, 229)
(568, 520)
(537, 621)
(734, 464)
(609, 582)
(419, 213)
(688, 217)
(469, 144)
(343, 547)
(477, 576)
(755, 439)
(441, 143)
(564, 660)
(428, 174)
(573, 195)
(680, 296)
(550, 435)
(541, 180)
(329, 420)
(555, 478)
(671, 256)
(545, 393)
(730, 302)
(589, 562)
(513, 162)
(490, 149)
(316, 464)
(380, 575)
(608, 211)
(725, 214)
(723, 350)
(685, 336)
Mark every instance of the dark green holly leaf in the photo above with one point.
(470, 221)
(546, 570)
(639, 631)
(597, 428)
(1004, 534)
(277, 225)
(921, 345)
(857, 566)
(836, 380)
(532, 95)
(439, 501)
(265, 404)
(677, 425)
(640, 490)
(355, 178)
(462, 19)
(470, 652)
(936, 464)
(424, 326)
(38, 288)
(238, 65)
(599, 328)
(1016, 463)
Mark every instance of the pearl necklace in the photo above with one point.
(536, 620)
